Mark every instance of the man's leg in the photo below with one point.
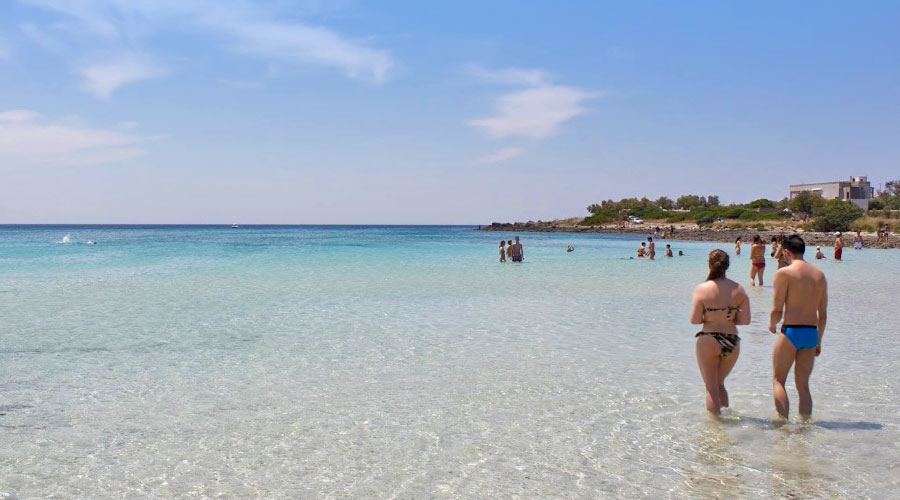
(782, 358)
(803, 369)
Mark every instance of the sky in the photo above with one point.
(412, 112)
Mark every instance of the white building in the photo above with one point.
(857, 190)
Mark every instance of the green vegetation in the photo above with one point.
(889, 199)
(831, 215)
(700, 209)
(835, 215)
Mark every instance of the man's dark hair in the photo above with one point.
(795, 244)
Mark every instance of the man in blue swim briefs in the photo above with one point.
(801, 294)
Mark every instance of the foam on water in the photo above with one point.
(379, 362)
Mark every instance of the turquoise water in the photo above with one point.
(405, 362)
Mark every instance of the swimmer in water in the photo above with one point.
(668, 250)
(641, 250)
(757, 260)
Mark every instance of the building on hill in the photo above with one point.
(856, 190)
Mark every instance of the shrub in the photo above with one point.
(760, 227)
(836, 215)
(806, 202)
(761, 203)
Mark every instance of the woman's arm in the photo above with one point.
(696, 308)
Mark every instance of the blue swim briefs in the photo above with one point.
(801, 336)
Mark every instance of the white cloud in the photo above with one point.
(533, 113)
(41, 38)
(296, 43)
(102, 78)
(500, 156)
(510, 76)
(245, 27)
(18, 115)
(26, 137)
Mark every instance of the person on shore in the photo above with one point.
(757, 260)
(668, 250)
(858, 241)
(518, 254)
(838, 247)
(737, 246)
(651, 248)
(819, 254)
(502, 251)
(719, 304)
(801, 299)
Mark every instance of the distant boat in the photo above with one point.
(234, 226)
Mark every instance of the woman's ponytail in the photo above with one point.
(718, 264)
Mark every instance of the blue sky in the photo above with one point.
(208, 111)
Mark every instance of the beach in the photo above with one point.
(693, 232)
(406, 362)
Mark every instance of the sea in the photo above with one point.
(406, 362)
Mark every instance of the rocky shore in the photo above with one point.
(692, 232)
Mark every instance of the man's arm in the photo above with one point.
(743, 316)
(822, 314)
(780, 285)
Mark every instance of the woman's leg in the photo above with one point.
(708, 354)
(725, 365)
(760, 273)
(753, 271)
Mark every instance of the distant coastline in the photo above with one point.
(692, 232)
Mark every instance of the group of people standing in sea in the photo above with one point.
(721, 305)
(511, 251)
(648, 249)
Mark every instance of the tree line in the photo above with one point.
(819, 214)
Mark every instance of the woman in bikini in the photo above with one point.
(779, 253)
(719, 304)
(502, 251)
(757, 260)
(737, 246)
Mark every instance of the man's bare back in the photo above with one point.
(801, 298)
(801, 289)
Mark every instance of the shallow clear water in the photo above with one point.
(405, 362)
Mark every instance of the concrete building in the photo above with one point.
(856, 190)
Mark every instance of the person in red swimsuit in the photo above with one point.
(838, 247)
(757, 260)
